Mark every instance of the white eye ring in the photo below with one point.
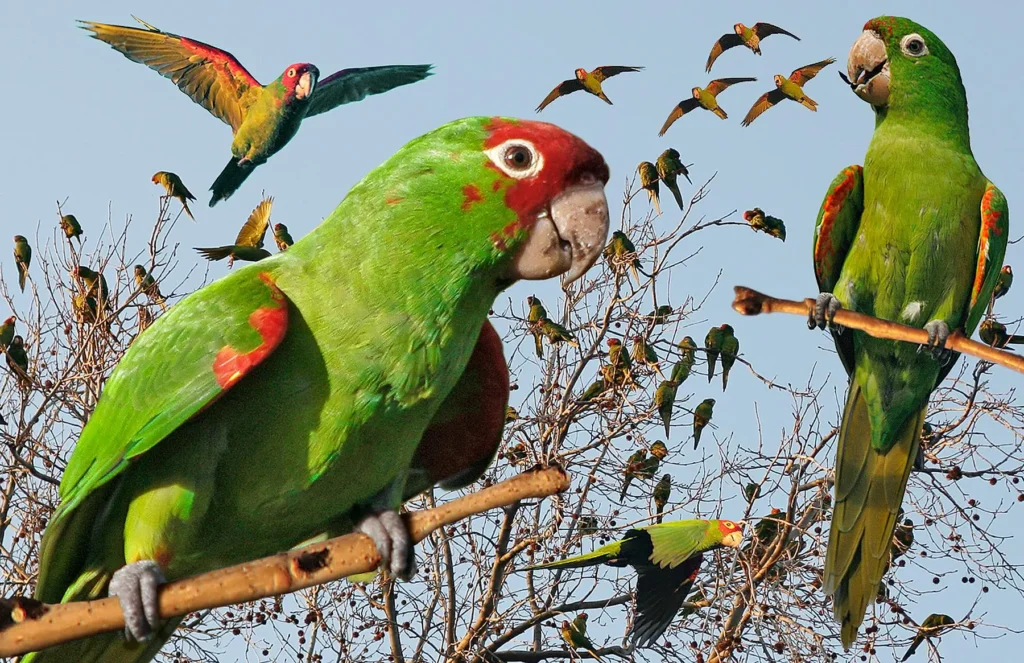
(291, 73)
(913, 38)
(499, 157)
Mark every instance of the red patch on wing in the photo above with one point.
(271, 322)
(227, 64)
(394, 200)
(471, 194)
(989, 226)
(823, 250)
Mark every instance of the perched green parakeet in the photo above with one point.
(660, 315)
(17, 360)
(730, 350)
(664, 401)
(248, 244)
(995, 334)
(263, 118)
(751, 491)
(788, 88)
(634, 464)
(282, 237)
(1004, 282)
(71, 227)
(670, 167)
(22, 259)
(902, 539)
(701, 418)
(595, 389)
(661, 495)
(687, 357)
(587, 81)
(619, 369)
(713, 342)
(555, 333)
(933, 625)
(174, 187)
(511, 414)
(575, 635)
(148, 286)
(706, 98)
(644, 354)
(666, 557)
(300, 412)
(741, 35)
(7, 332)
(85, 307)
(620, 252)
(770, 225)
(648, 173)
(917, 236)
(95, 285)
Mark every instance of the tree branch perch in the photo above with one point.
(28, 625)
(752, 302)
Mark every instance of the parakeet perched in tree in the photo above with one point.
(248, 244)
(619, 369)
(788, 88)
(588, 81)
(902, 538)
(661, 495)
(7, 332)
(666, 557)
(730, 350)
(22, 259)
(621, 252)
(706, 98)
(263, 118)
(301, 411)
(17, 360)
(575, 635)
(1003, 285)
(670, 167)
(588, 525)
(85, 307)
(933, 625)
(995, 334)
(72, 229)
(537, 312)
(595, 389)
(750, 37)
(634, 464)
(657, 453)
(148, 286)
(916, 236)
(664, 401)
(659, 316)
(770, 225)
(713, 346)
(282, 237)
(648, 173)
(681, 370)
(701, 418)
(643, 354)
(175, 188)
(95, 285)
(555, 333)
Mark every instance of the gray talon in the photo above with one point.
(135, 586)
(825, 307)
(390, 535)
(938, 332)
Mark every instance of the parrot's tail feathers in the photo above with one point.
(869, 491)
(599, 556)
(677, 194)
(810, 103)
(230, 179)
(720, 113)
(605, 98)
(184, 205)
(215, 252)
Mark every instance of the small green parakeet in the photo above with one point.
(687, 357)
(644, 354)
(149, 287)
(301, 412)
(648, 173)
(17, 360)
(706, 98)
(95, 285)
(730, 350)
(661, 495)
(621, 252)
(741, 35)
(916, 236)
(575, 635)
(670, 167)
(994, 333)
(788, 88)
(22, 259)
(664, 401)
(248, 244)
(933, 625)
(587, 81)
(667, 558)
(175, 188)
(902, 538)
(659, 316)
(71, 227)
(619, 369)
(1004, 283)
(595, 389)
(634, 464)
(555, 333)
(770, 225)
(713, 346)
(701, 418)
(7, 332)
(282, 237)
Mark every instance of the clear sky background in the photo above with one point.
(84, 123)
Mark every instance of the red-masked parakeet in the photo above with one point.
(148, 286)
(788, 88)
(933, 625)
(621, 252)
(71, 227)
(588, 81)
(730, 350)
(770, 225)
(282, 237)
(664, 401)
(17, 360)
(706, 98)
(1004, 283)
(175, 188)
(682, 368)
(661, 495)
(750, 37)
(7, 332)
(994, 333)
(575, 635)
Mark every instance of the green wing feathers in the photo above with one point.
(675, 542)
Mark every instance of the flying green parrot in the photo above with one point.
(72, 229)
(300, 412)
(788, 88)
(95, 285)
(770, 225)
(263, 118)
(670, 167)
(713, 346)
(706, 98)
(575, 635)
(995, 334)
(649, 181)
(17, 360)
(730, 350)
(7, 332)
(701, 418)
(933, 625)
(659, 316)
(282, 237)
(174, 187)
(248, 244)
(666, 557)
(22, 259)
(619, 369)
(664, 401)
(750, 37)
(148, 286)
(682, 368)
(661, 494)
(634, 464)
(916, 236)
(588, 81)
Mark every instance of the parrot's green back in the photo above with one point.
(905, 239)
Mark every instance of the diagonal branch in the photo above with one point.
(29, 625)
(752, 302)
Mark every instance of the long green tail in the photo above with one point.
(229, 180)
(598, 556)
(868, 494)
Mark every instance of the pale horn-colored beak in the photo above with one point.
(306, 85)
(868, 69)
(733, 539)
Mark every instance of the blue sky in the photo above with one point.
(84, 123)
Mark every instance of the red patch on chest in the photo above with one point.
(470, 195)
(271, 322)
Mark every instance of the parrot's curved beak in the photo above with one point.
(568, 236)
(306, 84)
(868, 69)
(733, 539)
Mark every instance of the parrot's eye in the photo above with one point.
(517, 158)
(291, 73)
(914, 46)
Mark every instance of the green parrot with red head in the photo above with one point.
(263, 118)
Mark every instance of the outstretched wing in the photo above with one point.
(763, 103)
(717, 86)
(213, 78)
(348, 85)
(995, 229)
(601, 73)
(562, 89)
(682, 108)
(255, 228)
(724, 43)
(807, 72)
(763, 30)
(660, 592)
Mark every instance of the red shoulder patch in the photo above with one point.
(225, 62)
(989, 226)
(833, 204)
(271, 322)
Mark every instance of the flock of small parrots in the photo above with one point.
(315, 367)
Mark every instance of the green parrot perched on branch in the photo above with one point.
(263, 118)
(302, 412)
(917, 236)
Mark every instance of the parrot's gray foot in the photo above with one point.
(825, 307)
(938, 332)
(391, 536)
(135, 586)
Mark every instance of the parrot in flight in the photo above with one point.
(588, 81)
(916, 236)
(263, 118)
(302, 412)
(788, 88)
(706, 98)
(248, 244)
(666, 557)
(750, 37)
(175, 188)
